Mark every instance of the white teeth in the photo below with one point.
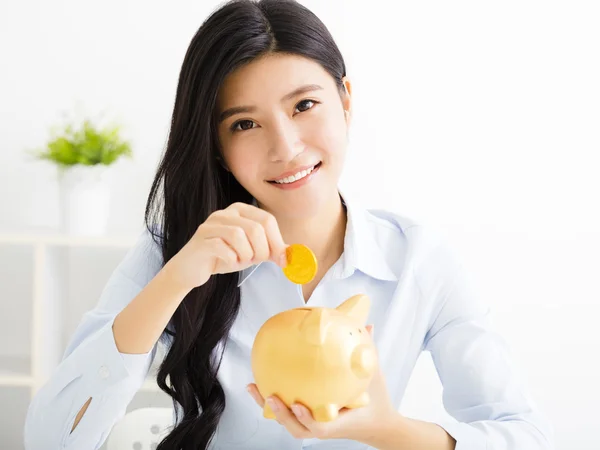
(296, 177)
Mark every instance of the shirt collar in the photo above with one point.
(362, 251)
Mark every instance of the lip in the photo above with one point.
(292, 172)
(300, 183)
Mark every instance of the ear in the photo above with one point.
(347, 86)
(347, 99)
(314, 326)
(356, 307)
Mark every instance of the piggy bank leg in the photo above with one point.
(360, 401)
(325, 413)
(268, 412)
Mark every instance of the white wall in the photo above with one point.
(481, 118)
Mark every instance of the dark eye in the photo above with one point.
(243, 125)
(305, 105)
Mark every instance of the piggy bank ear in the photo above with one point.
(356, 307)
(314, 326)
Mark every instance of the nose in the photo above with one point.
(285, 141)
(364, 361)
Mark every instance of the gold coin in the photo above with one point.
(301, 264)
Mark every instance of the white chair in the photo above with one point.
(141, 429)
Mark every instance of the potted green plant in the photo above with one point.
(83, 155)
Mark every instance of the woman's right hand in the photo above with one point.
(229, 240)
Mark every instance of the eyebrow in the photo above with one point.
(248, 109)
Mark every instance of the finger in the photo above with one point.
(235, 237)
(286, 418)
(256, 236)
(253, 391)
(304, 416)
(269, 223)
(218, 248)
(254, 231)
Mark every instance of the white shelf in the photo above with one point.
(13, 377)
(16, 380)
(14, 365)
(53, 239)
(49, 290)
(49, 280)
(150, 386)
(28, 381)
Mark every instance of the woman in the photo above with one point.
(255, 152)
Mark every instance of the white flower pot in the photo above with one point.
(84, 200)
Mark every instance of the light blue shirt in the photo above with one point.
(421, 300)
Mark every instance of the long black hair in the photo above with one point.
(191, 183)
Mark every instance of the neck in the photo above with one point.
(323, 233)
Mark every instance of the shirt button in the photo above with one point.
(104, 372)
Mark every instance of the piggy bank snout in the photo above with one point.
(364, 361)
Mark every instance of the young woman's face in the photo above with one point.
(283, 131)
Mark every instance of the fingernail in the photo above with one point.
(272, 404)
(297, 410)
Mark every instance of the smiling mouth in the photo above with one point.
(296, 177)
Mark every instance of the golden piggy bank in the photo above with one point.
(323, 358)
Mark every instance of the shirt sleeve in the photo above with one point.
(481, 387)
(92, 366)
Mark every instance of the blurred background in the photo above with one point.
(478, 118)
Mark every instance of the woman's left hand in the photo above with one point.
(356, 424)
